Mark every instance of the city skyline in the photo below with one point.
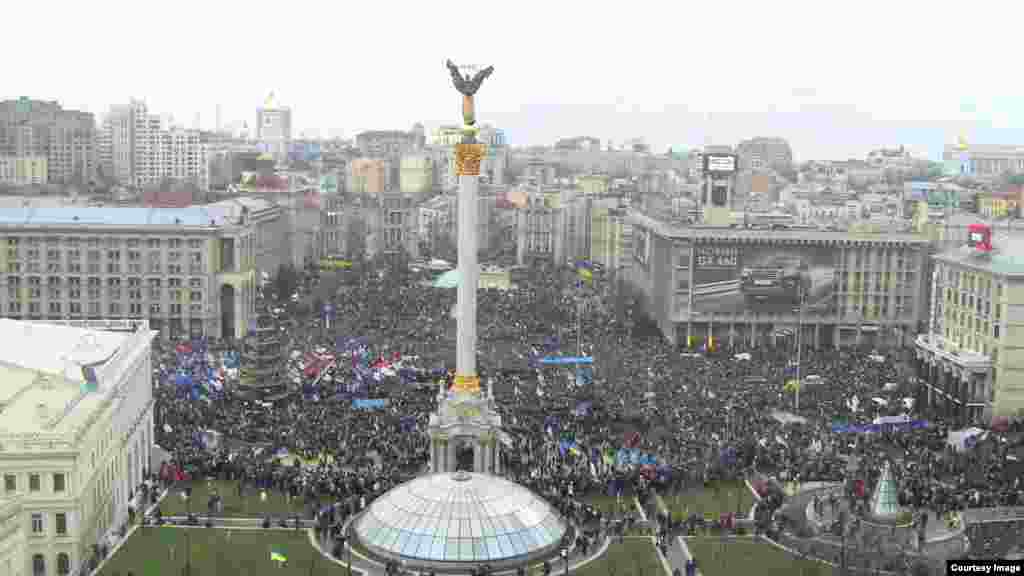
(662, 78)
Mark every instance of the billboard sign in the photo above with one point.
(763, 279)
(719, 163)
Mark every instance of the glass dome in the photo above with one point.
(460, 517)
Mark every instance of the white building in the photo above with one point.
(139, 150)
(12, 537)
(76, 428)
(274, 128)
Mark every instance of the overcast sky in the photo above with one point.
(835, 83)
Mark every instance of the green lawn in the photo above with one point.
(248, 506)
(610, 505)
(714, 499)
(721, 557)
(633, 557)
(214, 552)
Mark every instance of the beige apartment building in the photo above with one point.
(970, 362)
(189, 271)
(76, 431)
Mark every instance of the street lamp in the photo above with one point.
(348, 554)
(565, 558)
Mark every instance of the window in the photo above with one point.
(58, 482)
(61, 523)
(63, 564)
(10, 483)
(38, 565)
(37, 523)
(33, 482)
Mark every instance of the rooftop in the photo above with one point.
(34, 215)
(460, 517)
(1006, 258)
(699, 231)
(41, 370)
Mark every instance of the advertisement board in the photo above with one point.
(720, 163)
(763, 279)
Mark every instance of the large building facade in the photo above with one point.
(138, 151)
(274, 129)
(76, 426)
(40, 129)
(709, 285)
(189, 272)
(970, 361)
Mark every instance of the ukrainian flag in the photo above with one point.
(585, 270)
(791, 385)
(278, 557)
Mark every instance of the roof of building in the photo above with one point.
(460, 517)
(112, 216)
(1006, 258)
(43, 379)
(701, 231)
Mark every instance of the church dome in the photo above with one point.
(460, 517)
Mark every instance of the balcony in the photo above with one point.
(942, 349)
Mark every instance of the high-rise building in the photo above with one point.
(274, 127)
(762, 153)
(66, 138)
(139, 152)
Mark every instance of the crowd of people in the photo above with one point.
(648, 412)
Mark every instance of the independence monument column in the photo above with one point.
(465, 417)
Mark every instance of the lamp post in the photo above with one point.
(565, 558)
(799, 343)
(348, 554)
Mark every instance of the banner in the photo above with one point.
(741, 278)
(841, 427)
(559, 360)
(369, 403)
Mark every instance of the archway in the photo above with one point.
(464, 452)
(227, 312)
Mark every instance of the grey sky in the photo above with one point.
(836, 81)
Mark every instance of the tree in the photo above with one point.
(286, 281)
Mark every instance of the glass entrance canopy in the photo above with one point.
(460, 517)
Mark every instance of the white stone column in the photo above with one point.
(478, 457)
(465, 360)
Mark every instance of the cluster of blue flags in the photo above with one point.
(634, 457)
(583, 409)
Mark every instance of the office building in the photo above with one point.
(274, 128)
(764, 153)
(970, 360)
(23, 170)
(76, 426)
(65, 138)
(736, 285)
(189, 271)
(390, 143)
(140, 152)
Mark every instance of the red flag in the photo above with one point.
(632, 440)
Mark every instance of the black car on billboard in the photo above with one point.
(782, 280)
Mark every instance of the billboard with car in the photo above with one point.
(763, 279)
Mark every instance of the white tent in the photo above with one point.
(965, 439)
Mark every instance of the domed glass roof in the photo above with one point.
(460, 517)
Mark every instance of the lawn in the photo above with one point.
(247, 506)
(716, 498)
(162, 552)
(721, 557)
(611, 505)
(633, 557)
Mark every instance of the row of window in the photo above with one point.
(56, 255)
(39, 564)
(94, 309)
(96, 268)
(58, 485)
(60, 524)
(109, 242)
(113, 292)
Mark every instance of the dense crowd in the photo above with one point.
(648, 413)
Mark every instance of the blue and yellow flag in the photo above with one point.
(278, 557)
(585, 270)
